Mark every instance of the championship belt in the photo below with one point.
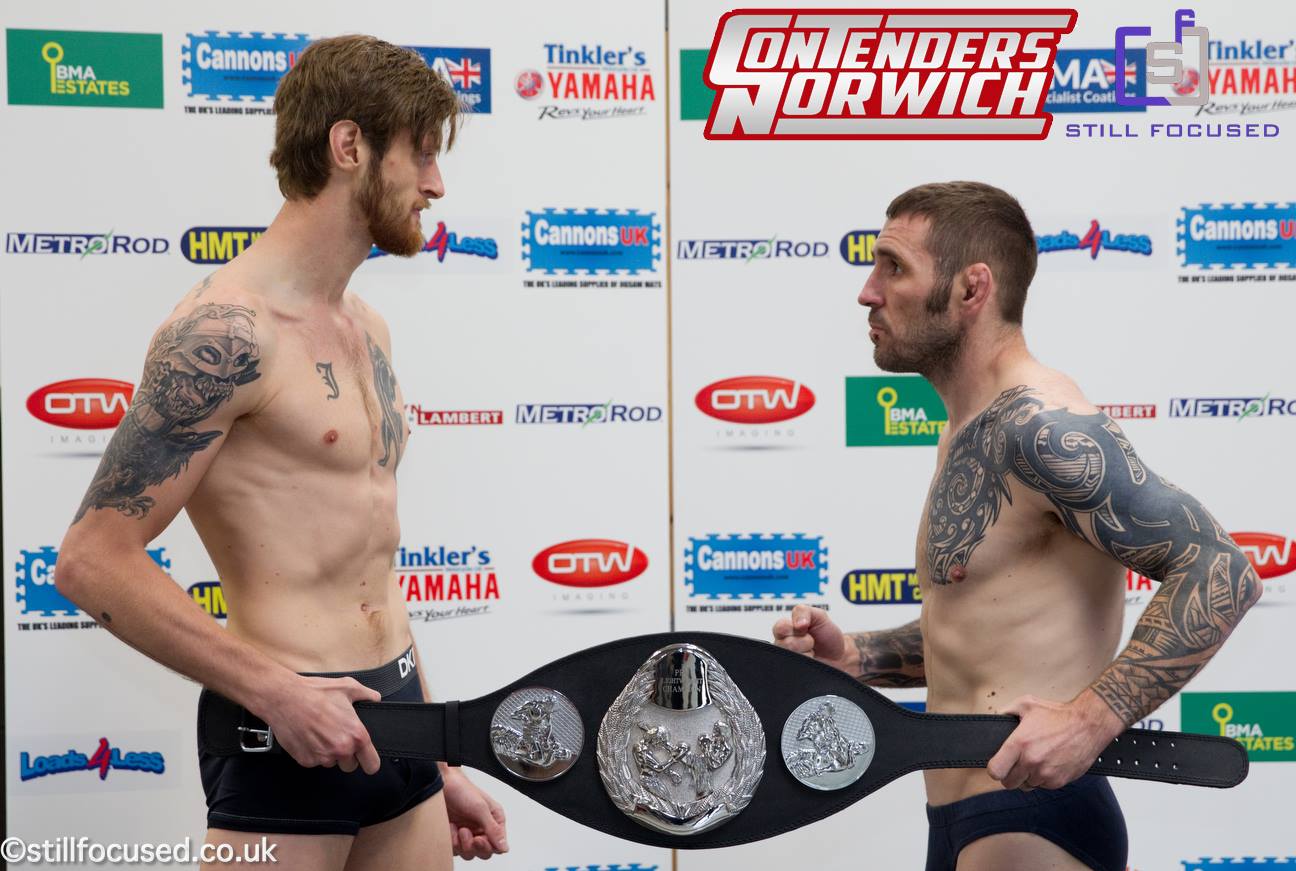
(696, 739)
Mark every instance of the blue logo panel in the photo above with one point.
(238, 66)
(468, 70)
(776, 566)
(1238, 235)
(585, 241)
(35, 581)
(1085, 80)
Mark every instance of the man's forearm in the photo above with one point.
(136, 601)
(1199, 603)
(891, 657)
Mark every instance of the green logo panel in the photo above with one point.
(695, 96)
(84, 68)
(893, 410)
(1264, 723)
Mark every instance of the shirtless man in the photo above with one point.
(1038, 505)
(268, 410)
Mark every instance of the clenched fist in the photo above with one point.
(812, 632)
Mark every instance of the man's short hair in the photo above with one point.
(971, 222)
(385, 89)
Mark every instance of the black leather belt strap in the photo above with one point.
(775, 681)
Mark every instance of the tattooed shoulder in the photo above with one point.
(392, 429)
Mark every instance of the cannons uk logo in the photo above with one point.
(84, 244)
(1094, 240)
(1181, 64)
(754, 399)
(1238, 236)
(209, 245)
(590, 562)
(1239, 407)
(739, 566)
(37, 594)
(228, 73)
(82, 403)
(748, 250)
(883, 74)
(591, 241)
(1211, 863)
(443, 583)
(103, 759)
(468, 70)
(1087, 79)
(882, 587)
(588, 74)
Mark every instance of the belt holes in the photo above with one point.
(1174, 765)
(1118, 762)
(1136, 762)
(1156, 764)
(1171, 745)
(1154, 743)
(1100, 759)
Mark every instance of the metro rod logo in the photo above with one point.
(883, 74)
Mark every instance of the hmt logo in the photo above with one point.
(82, 403)
(754, 399)
(882, 587)
(34, 579)
(210, 597)
(1093, 240)
(748, 250)
(590, 73)
(209, 245)
(893, 410)
(106, 757)
(442, 241)
(585, 241)
(1087, 80)
(590, 562)
(1240, 407)
(776, 566)
(1191, 85)
(217, 65)
(1238, 236)
(1263, 722)
(857, 247)
(468, 70)
(883, 74)
(83, 68)
(1271, 555)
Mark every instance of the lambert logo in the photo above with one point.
(893, 410)
(754, 399)
(883, 74)
(1129, 411)
(748, 250)
(590, 562)
(84, 68)
(1264, 722)
(419, 417)
(34, 578)
(857, 247)
(882, 587)
(1086, 80)
(591, 241)
(104, 758)
(442, 241)
(778, 566)
(208, 245)
(1238, 236)
(468, 70)
(82, 403)
(1095, 239)
(216, 65)
(210, 597)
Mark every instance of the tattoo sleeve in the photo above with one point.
(891, 657)
(1088, 470)
(393, 424)
(193, 366)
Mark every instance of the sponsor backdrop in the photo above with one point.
(631, 412)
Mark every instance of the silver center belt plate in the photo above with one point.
(681, 750)
(828, 742)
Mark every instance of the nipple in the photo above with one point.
(331, 436)
(958, 574)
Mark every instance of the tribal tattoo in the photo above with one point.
(193, 366)
(1088, 470)
(891, 657)
(326, 372)
(393, 429)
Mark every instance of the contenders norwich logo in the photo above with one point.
(1263, 723)
(83, 68)
(897, 410)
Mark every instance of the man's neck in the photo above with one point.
(313, 246)
(981, 372)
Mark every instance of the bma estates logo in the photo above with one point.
(883, 73)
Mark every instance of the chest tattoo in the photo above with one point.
(392, 429)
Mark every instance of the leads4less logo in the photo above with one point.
(899, 410)
(84, 68)
(1263, 723)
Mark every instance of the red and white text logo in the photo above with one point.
(1271, 555)
(883, 73)
(590, 562)
(82, 403)
(755, 399)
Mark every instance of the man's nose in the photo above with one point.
(431, 185)
(869, 295)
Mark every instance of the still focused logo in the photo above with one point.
(103, 759)
(1182, 64)
(210, 245)
(882, 587)
(1087, 80)
(590, 562)
(856, 247)
(883, 74)
(1238, 236)
(754, 399)
(82, 403)
(84, 68)
(1094, 240)
(468, 70)
(893, 410)
(591, 241)
(760, 565)
(1264, 723)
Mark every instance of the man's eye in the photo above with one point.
(895, 268)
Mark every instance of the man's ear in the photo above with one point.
(345, 146)
(976, 287)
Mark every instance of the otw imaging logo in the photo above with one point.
(82, 403)
(883, 74)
